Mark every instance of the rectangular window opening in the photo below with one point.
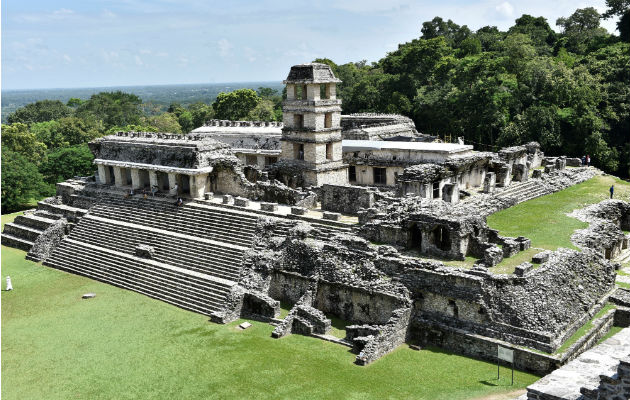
(329, 151)
(380, 176)
(328, 120)
(299, 151)
(352, 173)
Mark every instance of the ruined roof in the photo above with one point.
(216, 126)
(359, 145)
(311, 73)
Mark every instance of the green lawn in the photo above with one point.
(122, 345)
(583, 329)
(544, 219)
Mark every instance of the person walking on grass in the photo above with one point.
(612, 191)
(588, 160)
(9, 284)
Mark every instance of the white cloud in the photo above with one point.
(67, 58)
(108, 14)
(505, 10)
(138, 60)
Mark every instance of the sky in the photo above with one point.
(93, 43)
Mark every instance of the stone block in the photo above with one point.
(208, 195)
(492, 256)
(522, 269)
(333, 216)
(524, 243)
(298, 210)
(510, 247)
(561, 163)
(450, 193)
(574, 162)
(271, 207)
(228, 199)
(241, 202)
(144, 251)
(537, 173)
(540, 257)
(549, 169)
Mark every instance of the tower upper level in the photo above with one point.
(311, 82)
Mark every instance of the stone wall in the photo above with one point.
(346, 199)
(391, 335)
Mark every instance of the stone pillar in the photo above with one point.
(489, 183)
(118, 176)
(153, 179)
(521, 173)
(172, 181)
(450, 193)
(198, 185)
(135, 178)
(103, 171)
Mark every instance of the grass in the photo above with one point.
(123, 345)
(623, 285)
(583, 329)
(613, 331)
(544, 219)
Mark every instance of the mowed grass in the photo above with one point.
(544, 219)
(122, 345)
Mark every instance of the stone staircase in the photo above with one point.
(195, 252)
(522, 191)
(26, 228)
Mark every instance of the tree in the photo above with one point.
(18, 139)
(235, 105)
(21, 180)
(113, 108)
(538, 30)
(469, 46)
(620, 8)
(201, 113)
(166, 122)
(185, 120)
(453, 33)
(266, 92)
(67, 162)
(264, 111)
(519, 49)
(580, 29)
(40, 111)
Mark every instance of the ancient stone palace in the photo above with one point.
(352, 216)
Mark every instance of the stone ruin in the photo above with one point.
(301, 229)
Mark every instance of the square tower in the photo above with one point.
(311, 136)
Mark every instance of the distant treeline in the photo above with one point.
(157, 97)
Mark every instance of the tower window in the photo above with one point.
(298, 148)
(323, 93)
(380, 176)
(298, 120)
(328, 120)
(329, 151)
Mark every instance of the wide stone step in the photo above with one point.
(187, 226)
(21, 231)
(34, 221)
(16, 242)
(206, 310)
(190, 253)
(79, 259)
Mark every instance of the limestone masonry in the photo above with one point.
(352, 216)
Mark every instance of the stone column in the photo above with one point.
(118, 176)
(172, 181)
(103, 171)
(153, 179)
(135, 178)
(198, 188)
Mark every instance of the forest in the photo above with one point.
(568, 90)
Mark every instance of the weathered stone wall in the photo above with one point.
(346, 199)
(391, 335)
